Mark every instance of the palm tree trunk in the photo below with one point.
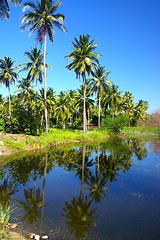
(9, 102)
(99, 112)
(9, 107)
(88, 118)
(45, 90)
(84, 105)
(37, 106)
(82, 181)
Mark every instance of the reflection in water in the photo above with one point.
(79, 216)
(6, 192)
(43, 192)
(83, 177)
(32, 205)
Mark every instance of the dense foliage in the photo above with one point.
(32, 110)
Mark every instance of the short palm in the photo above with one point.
(8, 74)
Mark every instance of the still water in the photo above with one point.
(105, 191)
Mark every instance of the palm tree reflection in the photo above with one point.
(97, 182)
(79, 215)
(97, 187)
(32, 205)
(6, 191)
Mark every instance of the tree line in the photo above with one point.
(32, 111)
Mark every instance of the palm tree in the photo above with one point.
(89, 102)
(83, 60)
(34, 67)
(128, 105)
(26, 92)
(98, 84)
(140, 110)
(62, 110)
(8, 76)
(51, 98)
(112, 98)
(5, 9)
(41, 18)
(72, 95)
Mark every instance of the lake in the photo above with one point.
(101, 191)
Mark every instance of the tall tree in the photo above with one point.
(83, 59)
(34, 67)
(99, 83)
(89, 102)
(8, 75)
(112, 99)
(140, 110)
(5, 9)
(42, 18)
(128, 105)
(62, 110)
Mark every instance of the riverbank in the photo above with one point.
(14, 143)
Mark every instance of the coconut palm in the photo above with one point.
(62, 110)
(98, 84)
(72, 95)
(34, 67)
(8, 76)
(112, 98)
(83, 60)
(140, 110)
(26, 92)
(5, 9)
(41, 18)
(128, 105)
(79, 100)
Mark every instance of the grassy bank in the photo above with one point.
(10, 143)
(142, 130)
(19, 142)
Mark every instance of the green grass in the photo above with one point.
(14, 145)
(61, 136)
(142, 130)
(65, 136)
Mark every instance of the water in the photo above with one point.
(106, 191)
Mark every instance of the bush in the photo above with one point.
(115, 124)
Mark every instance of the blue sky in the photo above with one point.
(127, 34)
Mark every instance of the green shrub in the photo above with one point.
(115, 124)
(5, 213)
